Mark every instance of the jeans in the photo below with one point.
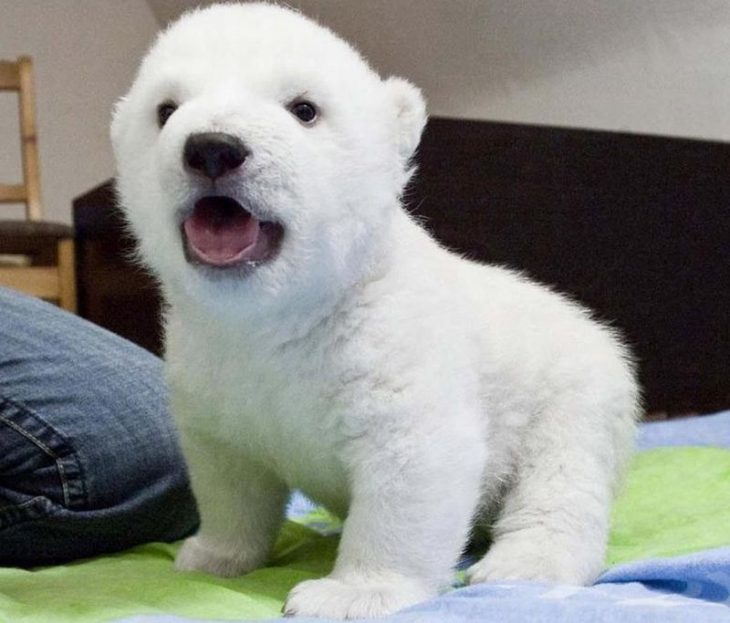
(89, 461)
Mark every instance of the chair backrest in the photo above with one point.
(18, 76)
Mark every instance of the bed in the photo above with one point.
(636, 227)
(668, 560)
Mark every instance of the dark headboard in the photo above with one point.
(636, 227)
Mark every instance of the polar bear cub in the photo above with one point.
(317, 338)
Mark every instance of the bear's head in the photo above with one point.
(260, 159)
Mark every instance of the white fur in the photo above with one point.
(410, 390)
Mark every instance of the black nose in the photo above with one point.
(213, 153)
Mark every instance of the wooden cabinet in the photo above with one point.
(113, 290)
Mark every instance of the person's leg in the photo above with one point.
(89, 460)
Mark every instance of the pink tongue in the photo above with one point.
(220, 234)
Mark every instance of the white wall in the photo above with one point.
(650, 66)
(653, 66)
(85, 53)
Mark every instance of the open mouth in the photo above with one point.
(221, 233)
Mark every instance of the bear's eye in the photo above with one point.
(164, 112)
(305, 111)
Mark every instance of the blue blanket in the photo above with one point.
(692, 588)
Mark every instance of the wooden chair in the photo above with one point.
(36, 256)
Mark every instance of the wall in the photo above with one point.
(85, 53)
(658, 66)
(661, 66)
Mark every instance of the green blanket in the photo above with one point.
(676, 501)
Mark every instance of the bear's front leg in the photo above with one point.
(241, 508)
(412, 505)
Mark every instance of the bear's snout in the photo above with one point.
(213, 154)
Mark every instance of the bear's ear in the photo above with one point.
(410, 110)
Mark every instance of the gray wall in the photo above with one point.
(85, 53)
(653, 66)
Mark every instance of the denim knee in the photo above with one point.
(89, 459)
(47, 514)
(40, 470)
